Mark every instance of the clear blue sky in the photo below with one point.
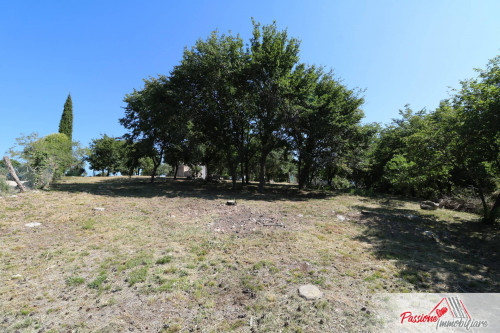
(400, 51)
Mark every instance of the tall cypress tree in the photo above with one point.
(66, 123)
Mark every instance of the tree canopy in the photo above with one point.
(256, 112)
(66, 123)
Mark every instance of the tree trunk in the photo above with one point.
(299, 171)
(242, 171)
(156, 164)
(175, 171)
(234, 179)
(247, 172)
(13, 174)
(241, 155)
(494, 212)
(304, 174)
(232, 170)
(485, 204)
(153, 174)
(262, 175)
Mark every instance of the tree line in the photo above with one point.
(237, 109)
(444, 152)
(255, 109)
(254, 112)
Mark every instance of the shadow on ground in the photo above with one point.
(170, 188)
(464, 259)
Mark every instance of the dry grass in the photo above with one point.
(172, 257)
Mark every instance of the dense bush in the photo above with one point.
(46, 159)
(4, 188)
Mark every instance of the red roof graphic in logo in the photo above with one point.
(452, 304)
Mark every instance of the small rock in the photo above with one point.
(231, 203)
(100, 209)
(411, 217)
(33, 224)
(309, 292)
(17, 276)
(13, 196)
(305, 266)
(432, 235)
(300, 215)
(429, 205)
(341, 218)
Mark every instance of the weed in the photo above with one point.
(164, 260)
(26, 310)
(267, 264)
(97, 283)
(88, 224)
(137, 275)
(23, 324)
(247, 282)
(237, 324)
(170, 270)
(74, 281)
(183, 273)
(142, 259)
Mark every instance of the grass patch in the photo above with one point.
(164, 260)
(23, 324)
(97, 283)
(138, 275)
(26, 310)
(88, 224)
(265, 264)
(166, 242)
(141, 260)
(74, 281)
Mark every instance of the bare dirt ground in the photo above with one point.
(173, 257)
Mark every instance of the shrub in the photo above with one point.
(4, 188)
(163, 170)
(47, 158)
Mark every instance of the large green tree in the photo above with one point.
(478, 145)
(273, 55)
(322, 122)
(66, 123)
(106, 154)
(156, 119)
(209, 81)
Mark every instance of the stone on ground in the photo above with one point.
(309, 292)
(432, 235)
(33, 224)
(429, 205)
